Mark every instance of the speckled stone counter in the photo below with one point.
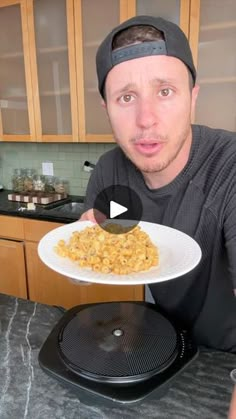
(201, 391)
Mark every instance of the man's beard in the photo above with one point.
(155, 166)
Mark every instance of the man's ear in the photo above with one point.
(103, 103)
(195, 92)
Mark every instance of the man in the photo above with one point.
(185, 175)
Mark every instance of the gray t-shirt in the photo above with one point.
(200, 201)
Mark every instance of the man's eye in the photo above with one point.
(126, 98)
(165, 92)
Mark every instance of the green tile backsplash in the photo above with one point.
(67, 160)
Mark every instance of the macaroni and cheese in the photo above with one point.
(107, 252)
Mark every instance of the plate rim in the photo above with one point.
(122, 279)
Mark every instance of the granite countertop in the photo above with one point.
(42, 212)
(202, 391)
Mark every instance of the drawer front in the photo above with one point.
(11, 227)
(34, 230)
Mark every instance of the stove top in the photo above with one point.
(121, 351)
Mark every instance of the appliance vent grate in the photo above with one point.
(118, 340)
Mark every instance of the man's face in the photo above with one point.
(150, 106)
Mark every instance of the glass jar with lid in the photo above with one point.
(50, 184)
(18, 180)
(39, 183)
(61, 186)
(28, 180)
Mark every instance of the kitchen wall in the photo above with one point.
(67, 160)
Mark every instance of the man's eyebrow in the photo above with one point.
(156, 81)
(123, 89)
(161, 81)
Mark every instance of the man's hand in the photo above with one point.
(93, 215)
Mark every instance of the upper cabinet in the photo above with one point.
(47, 72)
(48, 83)
(213, 34)
(16, 95)
(52, 52)
(38, 98)
(176, 11)
(93, 20)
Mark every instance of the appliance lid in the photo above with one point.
(118, 343)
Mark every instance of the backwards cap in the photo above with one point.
(175, 44)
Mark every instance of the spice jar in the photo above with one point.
(28, 180)
(18, 180)
(61, 186)
(50, 184)
(39, 183)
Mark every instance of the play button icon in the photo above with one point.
(116, 209)
(120, 205)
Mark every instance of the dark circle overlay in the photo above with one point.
(122, 195)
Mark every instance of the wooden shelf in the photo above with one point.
(11, 104)
(217, 31)
(92, 44)
(216, 80)
(13, 55)
(92, 89)
(62, 92)
(49, 50)
(218, 25)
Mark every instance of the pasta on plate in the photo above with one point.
(106, 251)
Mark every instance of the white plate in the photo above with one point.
(178, 254)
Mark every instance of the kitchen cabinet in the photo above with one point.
(12, 262)
(52, 53)
(42, 70)
(49, 287)
(94, 126)
(37, 73)
(17, 121)
(48, 85)
(24, 275)
(213, 37)
(13, 279)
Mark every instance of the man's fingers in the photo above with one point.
(94, 216)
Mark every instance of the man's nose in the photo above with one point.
(146, 114)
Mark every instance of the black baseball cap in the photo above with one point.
(175, 44)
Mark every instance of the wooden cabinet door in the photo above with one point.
(49, 287)
(176, 11)
(52, 49)
(213, 37)
(103, 293)
(90, 29)
(93, 21)
(12, 271)
(11, 227)
(16, 94)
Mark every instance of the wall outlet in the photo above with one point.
(47, 168)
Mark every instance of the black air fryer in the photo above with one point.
(119, 351)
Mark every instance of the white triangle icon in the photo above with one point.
(116, 209)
